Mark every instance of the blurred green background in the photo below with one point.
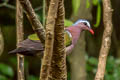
(82, 62)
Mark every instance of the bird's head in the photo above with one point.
(84, 25)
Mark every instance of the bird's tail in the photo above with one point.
(25, 51)
(17, 50)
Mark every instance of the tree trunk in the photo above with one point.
(77, 58)
(49, 42)
(58, 62)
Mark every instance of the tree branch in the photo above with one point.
(5, 3)
(106, 42)
(52, 15)
(36, 25)
(20, 37)
(45, 10)
(58, 62)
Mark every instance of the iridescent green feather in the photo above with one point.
(68, 39)
(33, 37)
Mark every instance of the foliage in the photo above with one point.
(87, 4)
(2, 77)
(98, 15)
(68, 22)
(112, 68)
(32, 77)
(6, 72)
(76, 5)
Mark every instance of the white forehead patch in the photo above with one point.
(83, 21)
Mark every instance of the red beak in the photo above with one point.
(92, 32)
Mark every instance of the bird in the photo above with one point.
(33, 47)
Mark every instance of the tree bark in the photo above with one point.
(58, 62)
(20, 37)
(47, 5)
(77, 60)
(52, 15)
(36, 25)
(106, 41)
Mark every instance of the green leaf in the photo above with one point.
(98, 18)
(75, 5)
(95, 2)
(87, 4)
(68, 76)
(89, 67)
(13, 60)
(68, 22)
(31, 77)
(33, 37)
(110, 64)
(2, 77)
(109, 77)
(93, 61)
(6, 70)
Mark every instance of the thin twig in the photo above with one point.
(38, 8)
(6, 4)
(106, 41)
(14, 8)
(44, 13)
(20, 37)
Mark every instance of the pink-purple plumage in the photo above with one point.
(74, 32)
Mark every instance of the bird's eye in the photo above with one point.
(85, 23)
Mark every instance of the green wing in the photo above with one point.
(33, 37)
(68, 38)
